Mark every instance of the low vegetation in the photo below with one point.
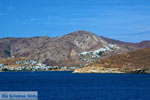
(132, 62)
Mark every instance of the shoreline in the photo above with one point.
(73, 72)
(111, 70)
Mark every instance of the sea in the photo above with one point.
(65, 85)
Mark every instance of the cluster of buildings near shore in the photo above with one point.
(31, 65)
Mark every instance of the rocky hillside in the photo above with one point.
(128, 46)
(12, 61)
(61, 51)
(132, 62)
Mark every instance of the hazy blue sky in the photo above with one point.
(126, 20)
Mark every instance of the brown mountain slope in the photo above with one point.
(85, 40)
(129, 62)
(52, 51)
(143, 44)
(11, 62)
(129, 46)
(61, 50)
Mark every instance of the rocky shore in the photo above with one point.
(110, 70)
(97, 70)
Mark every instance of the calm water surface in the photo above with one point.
(68, 86)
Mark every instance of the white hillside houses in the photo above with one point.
(98, 53)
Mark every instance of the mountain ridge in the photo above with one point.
(62, 51)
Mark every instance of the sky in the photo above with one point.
(125, 20)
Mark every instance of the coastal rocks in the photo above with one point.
(110, 70)
(140, 71)
(97, 70)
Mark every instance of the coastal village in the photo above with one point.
(86, 58)
(24, 64)
(31, 65)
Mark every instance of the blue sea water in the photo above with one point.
(68, 86)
